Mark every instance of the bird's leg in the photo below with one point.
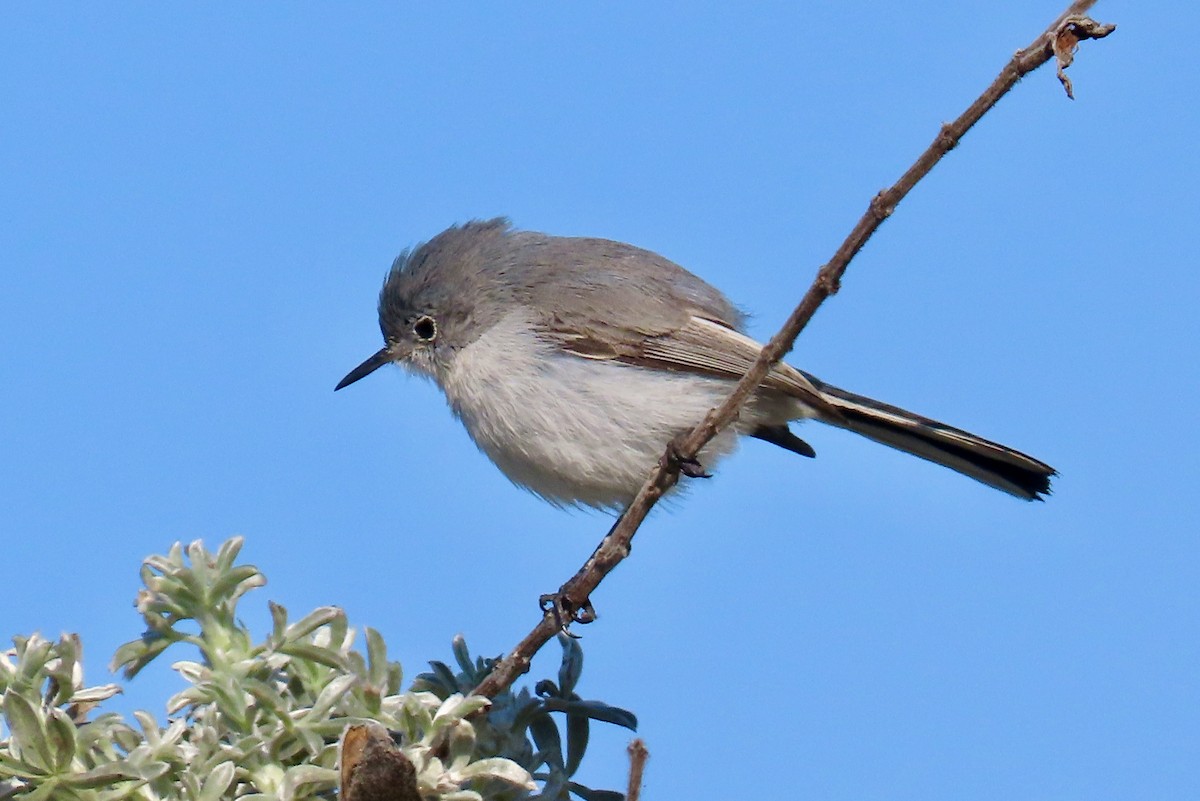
(561, 606)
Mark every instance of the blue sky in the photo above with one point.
(200, 202)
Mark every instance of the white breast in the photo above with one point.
(574, 430)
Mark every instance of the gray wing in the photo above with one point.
(612, 288)
(606, 300)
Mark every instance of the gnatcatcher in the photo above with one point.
(574, 362)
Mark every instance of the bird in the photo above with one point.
(574, 362)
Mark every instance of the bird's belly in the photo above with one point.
(574, 430)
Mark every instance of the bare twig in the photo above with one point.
(1057, 41)
(1071, 32)
(638, 754)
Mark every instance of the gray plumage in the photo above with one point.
(572, 362)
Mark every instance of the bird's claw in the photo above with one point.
(688, 465)
(565, 612)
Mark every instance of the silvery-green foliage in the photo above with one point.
(255, 720)
(519, 725)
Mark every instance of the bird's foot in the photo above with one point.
(565, 611)
(688, 465)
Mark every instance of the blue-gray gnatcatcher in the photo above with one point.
(574, 362)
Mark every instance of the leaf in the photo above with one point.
(330, 694)
(94, 695)
(596, 710)
(269, 700)
(395, 679)
(572, 665)
(278, 622)
(217, 782)
(456, 707)
(501, 769)
(131, 657)
(588, 794)
(60, 740)
(545, 735)
(227, 553)
(311, 622)
(109, 774)
(233, 584)
(578, 731)
(377, 664)
(462, 656)
(314, 653)
(10, 766)
(526, 712)
(27, 730)
(45, 791)
(149, 771)
(461, 746)
(305, 775)
(443, 675)
(555, 786)
(192, 672)
(339, 627)
(32, 657)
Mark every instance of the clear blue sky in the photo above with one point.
(200, 201)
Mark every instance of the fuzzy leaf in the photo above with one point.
(234, 584)
(504, 770)
(456, 707)
(302, 775)
(28, 731)
(109, 774)
(314, 653)
(311, 622)
(377, 664)
(46, 791)
(227, 553)
(131, 657)
(94, 695)
(278, 622)
(217, 782)
(60, 740)
(330, 695)
(11, 766)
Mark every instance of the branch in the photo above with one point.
(638, 754)
(1058, 41)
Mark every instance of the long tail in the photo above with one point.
(993, 464)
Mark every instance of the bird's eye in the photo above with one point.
(425, 328)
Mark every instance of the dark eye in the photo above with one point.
(425, 328)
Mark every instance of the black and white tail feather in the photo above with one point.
(983, 460)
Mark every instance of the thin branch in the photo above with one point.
(1057, 41)
(638, 754)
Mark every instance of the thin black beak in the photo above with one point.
(377, 360)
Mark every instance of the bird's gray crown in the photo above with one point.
(454, 278)
(471, 276)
